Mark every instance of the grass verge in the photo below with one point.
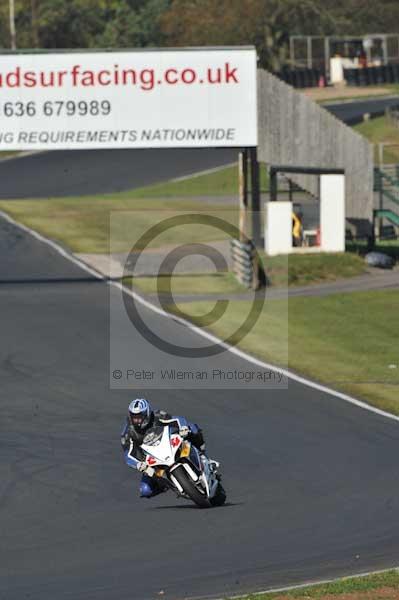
(8, 154)
(381, 130)
(83, 224)
(347, 341)
(360, 247)
(223, 182)
(216, 283)
(307, 269)
(371, 587)
(350, 94)
(339, 99)
(282, 271)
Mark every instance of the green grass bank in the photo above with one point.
(346, 341)
(382, 586)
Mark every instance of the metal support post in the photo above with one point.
(243, 192)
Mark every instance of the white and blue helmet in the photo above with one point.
(140, 413)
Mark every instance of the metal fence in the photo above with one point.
(386, 202)
(315, 52)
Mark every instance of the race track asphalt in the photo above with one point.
(312, 481)
(84, 172)
(352, 112)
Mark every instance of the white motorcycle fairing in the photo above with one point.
(162, 451)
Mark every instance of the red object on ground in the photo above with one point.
(318, 237)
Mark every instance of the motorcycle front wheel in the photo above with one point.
(190, 488)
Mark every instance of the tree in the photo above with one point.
(22, 24)
(141, 23)
(71, 24)
(134, 23)
(13, 38)
(35, 24)
(367, 16)
(269, 23)
(265, 23)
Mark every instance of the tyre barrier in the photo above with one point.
(379, 260)
(372, 75)
(302, 78)
(242, 254)
(246, 265)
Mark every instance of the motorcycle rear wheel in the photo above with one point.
(220, 496)
(190, 488)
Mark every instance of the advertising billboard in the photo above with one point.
(128, 99)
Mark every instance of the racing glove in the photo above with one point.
(184, 431)
(125, 440)
(144, 468)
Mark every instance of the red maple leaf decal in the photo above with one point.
(175, 441)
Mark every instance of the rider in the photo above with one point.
(141, 417)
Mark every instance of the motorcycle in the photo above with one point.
(179, 463)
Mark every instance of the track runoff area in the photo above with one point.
(187, 98)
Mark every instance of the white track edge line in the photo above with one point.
(234, 350)
(305, 585)
(251, 359)
(21, 155)
(54, 245)
(200, 173)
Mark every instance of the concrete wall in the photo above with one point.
(278, 230)
(278, 220)
(332, 213)
(294, 130)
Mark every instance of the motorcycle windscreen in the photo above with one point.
(161, 450)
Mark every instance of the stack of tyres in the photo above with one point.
(372, 75)
(286, 76)
(381, 75)
(363, 77)
(316, 75)
(295, 79)
(390, 74)
(301, 78)
(350, 76)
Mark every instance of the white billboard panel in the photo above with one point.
(132, 99)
